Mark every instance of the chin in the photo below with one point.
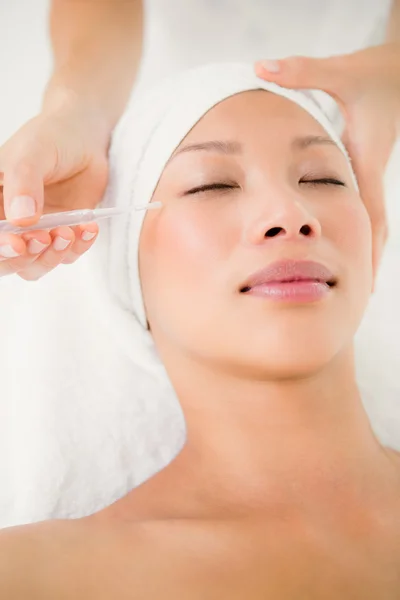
(291, 364)
(290, 351)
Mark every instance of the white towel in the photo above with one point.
(94, 404)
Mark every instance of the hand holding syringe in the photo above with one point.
(55, 163)
(51, 227)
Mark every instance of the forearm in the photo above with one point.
(97, 47)
(393, 29)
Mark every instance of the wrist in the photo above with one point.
(62, 101)
(395, 48)
(87, 89)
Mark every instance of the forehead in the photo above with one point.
(255, 112)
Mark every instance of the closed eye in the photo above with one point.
(212, 186)
(227, 186)
(323, 181)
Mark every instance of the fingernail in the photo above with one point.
(35, 247)
(60, 243)
(22, 207)
(272, 66)
(88, 235)
(8, 251)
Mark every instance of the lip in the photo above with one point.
(291, 280)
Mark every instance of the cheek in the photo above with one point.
(181, 253)
(189, 242)
(351, 229)
(188, 239)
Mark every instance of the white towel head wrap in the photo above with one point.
(146, 136)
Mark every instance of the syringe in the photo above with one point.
(74, 217)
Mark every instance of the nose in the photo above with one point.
(286, 216)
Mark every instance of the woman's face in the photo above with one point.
(251, 185)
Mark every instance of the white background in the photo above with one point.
(25, 61)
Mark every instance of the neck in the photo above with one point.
(269, 443)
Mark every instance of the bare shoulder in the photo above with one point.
(99, 559)
(96, 559)
(82, 559)
(92, 559)
(28, 554)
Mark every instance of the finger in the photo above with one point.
(85, 236)
(36, 243)
(61, 240)
(328, 74)
(12, 250)
(17, 252)
(23, 187)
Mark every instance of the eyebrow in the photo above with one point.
(233, 147)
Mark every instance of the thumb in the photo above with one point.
(327, 74)
(23, 187)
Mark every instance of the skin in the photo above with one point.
(281, 490)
